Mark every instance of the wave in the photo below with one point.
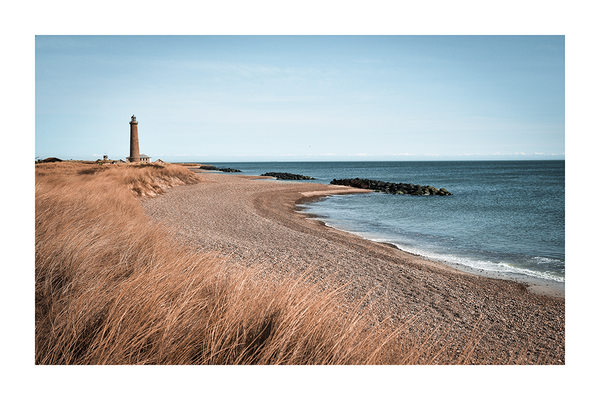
(479, 266)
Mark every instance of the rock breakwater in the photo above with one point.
(287, 176)
(392, 188)
(213, 168)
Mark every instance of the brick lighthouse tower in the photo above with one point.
(134, 144)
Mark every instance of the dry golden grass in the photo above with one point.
(111, 288)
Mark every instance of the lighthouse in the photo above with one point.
(134, 144)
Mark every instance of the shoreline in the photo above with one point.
(252, 221)
(535, 285)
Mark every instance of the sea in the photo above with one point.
(505, 219)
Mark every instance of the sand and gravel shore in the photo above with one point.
(253, 222)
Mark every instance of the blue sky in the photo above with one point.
(301, 98)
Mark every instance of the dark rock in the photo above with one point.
(392, 188)
(287, 176)
(213, 168)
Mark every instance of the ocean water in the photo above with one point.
(505, 217)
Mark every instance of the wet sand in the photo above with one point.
(254, 222)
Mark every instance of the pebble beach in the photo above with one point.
(254, 222)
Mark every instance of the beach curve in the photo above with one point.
(254, 222)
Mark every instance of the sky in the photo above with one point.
(301, 98)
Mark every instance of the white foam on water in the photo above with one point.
(502, 268)
(489, 267)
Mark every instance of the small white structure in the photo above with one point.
(143, 158)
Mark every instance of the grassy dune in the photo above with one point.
(112, 288)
